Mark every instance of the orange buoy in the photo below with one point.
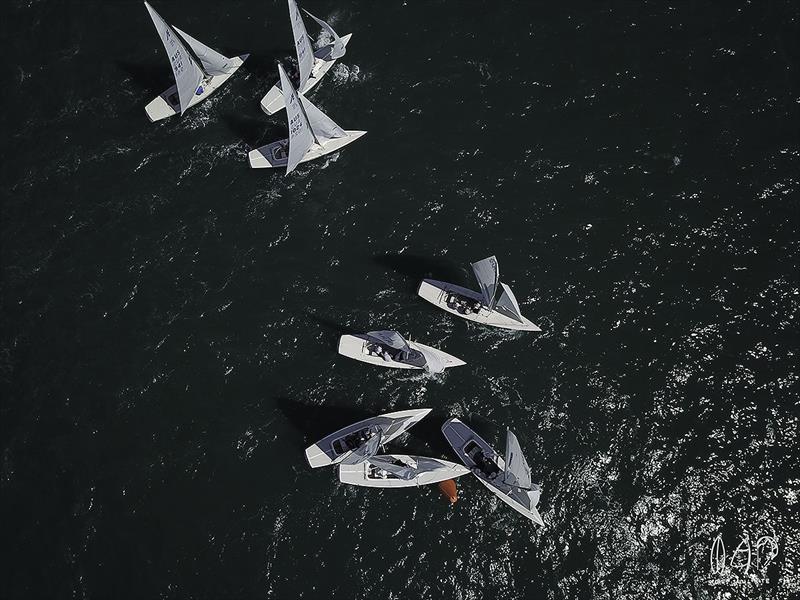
(448, 488)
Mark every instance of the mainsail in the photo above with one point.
(322, 125)
(305, 53)
(188, 74)
(487, 272)
(507, 304)
(517, 472)
(301, 136)
(389, 338)
(405, 472)
(366, 451)
(213, 62)
(337, 46)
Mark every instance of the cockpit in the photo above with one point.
(462, 304)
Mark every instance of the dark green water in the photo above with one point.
(170, 317)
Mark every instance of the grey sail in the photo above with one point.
(507, 304)
(322, 125)
(305, 53)
(389, 338)
(337, 46)
(487, 272)
(188, 74)
(366, 451)
(301, 137)
(213, 62)
(404, 472)
(433, 362)
(517, 472)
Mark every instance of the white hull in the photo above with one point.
(459, 435)
(166, 105)
(355, 346)
(275, 154)
(326, 451)
(431, 470)
(437, 292)
(273, 102)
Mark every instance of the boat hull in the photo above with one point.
(436, 292)
(270, 156)
(432, 470)
(458, 436)
(272, 101)
(324, 452)
(355, 347)
(162, 107)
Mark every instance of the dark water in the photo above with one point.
(170, 317)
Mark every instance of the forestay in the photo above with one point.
(386, 463)
(507, 304)
(366, 451)
(322, 125)
(301, 137)
(487, 272)
(337, 46)
(213, 62)
(188, 74)
(305, 53)
(517, 472)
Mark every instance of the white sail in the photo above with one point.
(305, 53)
(517, 472)
(433, 362)
(322, 125)
(487, 272)
(338, 48)
(213, 62)
(507, 304)
(188, 74)
(301, 137)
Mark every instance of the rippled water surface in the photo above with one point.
(170, 317)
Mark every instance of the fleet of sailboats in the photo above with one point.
(199, 70)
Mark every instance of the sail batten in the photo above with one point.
(305, 53)
(213, 62)
(487, 272)
(338, 48)
(301, 137)
(188, 73)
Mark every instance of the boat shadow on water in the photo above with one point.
(415, 268)
(253, 131)
(152, 78)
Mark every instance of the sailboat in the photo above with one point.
(399, 471)
(312, 134)
(361, 441)
(487, 306)
(508, 478)
(390, 349)
(312, 64)
(198, 70)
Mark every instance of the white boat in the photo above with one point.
(487, 306)
(312, 134)
(508, 478)
(312, 64)
(400, 471)
(390, 349)
(198, 73)
(360, 441)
